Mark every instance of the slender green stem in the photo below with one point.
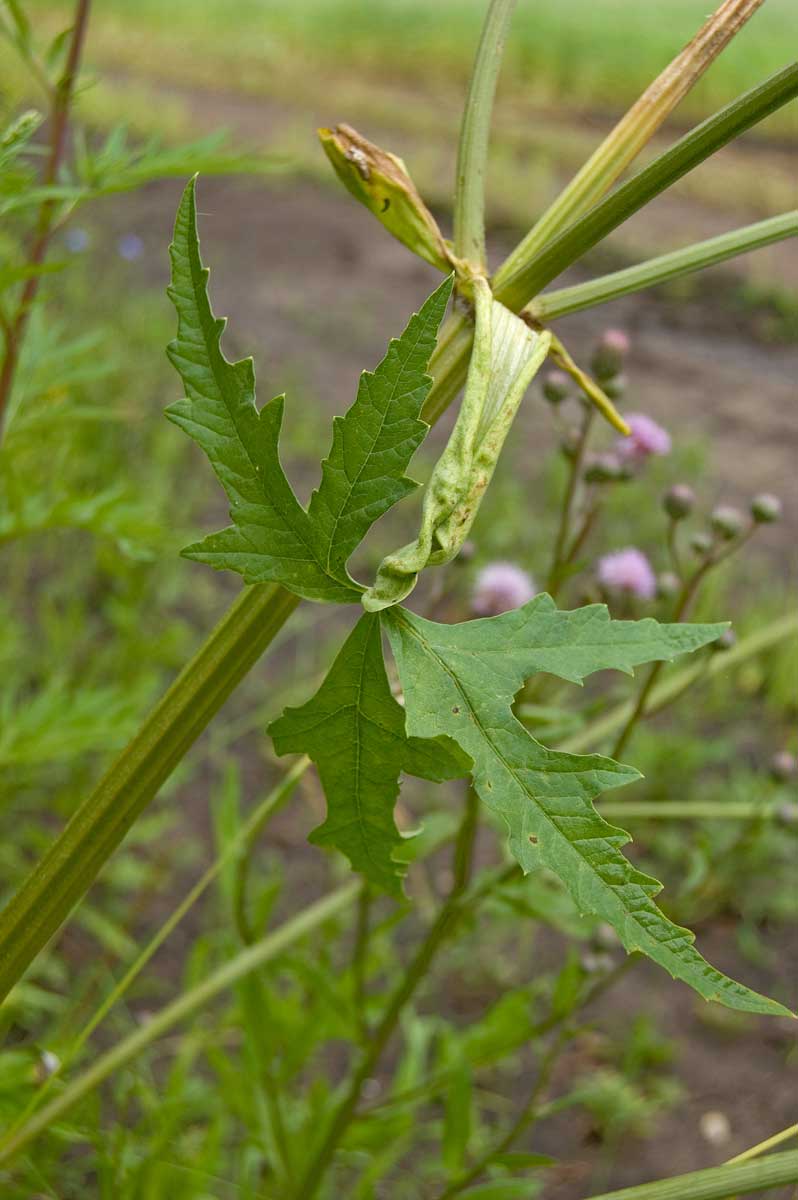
(525, 1118)
(186, 1005)
(688, 594)
(635, 129)
(101, 822)
(515, 284)
(246, 840)
(438, 933)
(776, 1139)
(472, 154)
(568, 501)
(359, 953)
(678, 810)
(717, 1183)
(551, 305)
(61, 97)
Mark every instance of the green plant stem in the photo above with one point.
(566, 511)
(637, 126)
(101, 822)
(472, 154)
(717, 1183)
(250, 829)
(190, 1002)
(776, 1139)
(679, 810)
(524, 276)
(551, 305)
(439, 931)
(525, 1118)
(61, 102)
(686, 597)
(359, 952)
(246, 840)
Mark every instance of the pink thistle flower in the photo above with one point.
(646, 438)
(627, 571)
(501, 586)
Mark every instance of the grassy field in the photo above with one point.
(588, 55)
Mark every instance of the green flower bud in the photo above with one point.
(678, 501)
(765, 508)
(701, 544)
(603, 468)
(556, 386)
(727, 522)
(726, 641)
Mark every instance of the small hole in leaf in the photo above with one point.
(455, 710)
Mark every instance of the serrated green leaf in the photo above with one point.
(460, 681)
(354, 731)
(272, 537)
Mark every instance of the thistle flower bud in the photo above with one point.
(668, 585)
(603, 468)
(678, 501)
(726, 521)
(701, 544)
(766, 508)
(783, 766)
(556, 386)
(610, 354)
(726, 641)
(615, 387)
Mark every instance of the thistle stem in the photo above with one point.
(472, 154)
(438, 933)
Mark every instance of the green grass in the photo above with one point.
(586, 54)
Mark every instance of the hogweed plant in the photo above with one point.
(452, 701)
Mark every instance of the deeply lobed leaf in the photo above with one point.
(460, 681)
(354, 730)
(272, 537)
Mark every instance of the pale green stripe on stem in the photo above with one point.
(519, 280)
(653, 271)
(472, 154)
(716, 1183)
(635, 128)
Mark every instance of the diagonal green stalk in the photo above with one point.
(185, 1006)
(550, 305)
(636, 127)
(472, 154)
(517, 282)
(717, 1183)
